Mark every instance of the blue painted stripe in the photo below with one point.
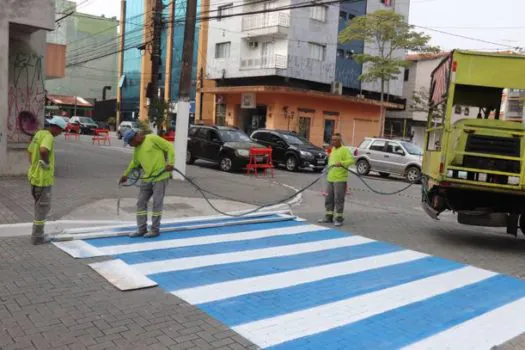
(105, 242)
(221, 273)
(258, 306)
(229, 247)
(409, 324)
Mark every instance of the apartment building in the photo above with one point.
(285, 69)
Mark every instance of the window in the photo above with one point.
(224, 10)
(317, 52)
(318, 13)
(467, 111)
(378, 146)
(340, 53)
(364, 144)
(222, 50)
(329, 129)
(213, 136)
(220, 114)
(342, 16)
(304, 127)
(192, 132)
(407, 74)
(457, 109)
(349, 55)
(261, 136)
(395, 149)
(515, 106)
(202, 134)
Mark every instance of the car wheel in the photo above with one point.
(189, 158)
(522, 223)
(291, 163)
(413, 174)
(363, 167)
(226, 164)
(385, 175)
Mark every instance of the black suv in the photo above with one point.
(291, 150)
(229, 147)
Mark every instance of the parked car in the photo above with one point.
(226, 146)
(291, 150)
(87, 124)
(125, 126)
(389, 157)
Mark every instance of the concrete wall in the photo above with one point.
(22, 50)
(395, 87)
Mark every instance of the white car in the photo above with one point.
(125, 126)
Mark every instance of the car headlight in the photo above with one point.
(243, 152)
(306, 154)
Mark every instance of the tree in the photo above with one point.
(160, 114)
(386, 32)
(421, 103)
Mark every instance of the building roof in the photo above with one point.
(426, 56)
(69, 100)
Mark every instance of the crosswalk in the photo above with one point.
(294, 285)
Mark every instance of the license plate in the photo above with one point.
(321, 162)
(259, 159)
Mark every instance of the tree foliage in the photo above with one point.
(159, 117)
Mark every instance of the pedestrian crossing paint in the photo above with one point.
(293, 285)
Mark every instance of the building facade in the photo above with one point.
(285, 69)
(86, 37)
(136, 57)
(23, 69)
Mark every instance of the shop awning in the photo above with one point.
(69, 100)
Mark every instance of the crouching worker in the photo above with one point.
(155, 156)
(338, 162)
(41, 174)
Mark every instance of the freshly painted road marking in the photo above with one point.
(218, 291)
(277, 330)
(218, 259)
(186, 242)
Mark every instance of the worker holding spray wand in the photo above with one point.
(156, 157)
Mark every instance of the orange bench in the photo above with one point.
(101, 135)
(73, 132)
(255, 163)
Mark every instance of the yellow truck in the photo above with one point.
(473, 155)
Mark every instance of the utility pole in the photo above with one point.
(120, 58)
(183, 105)
(153, 88)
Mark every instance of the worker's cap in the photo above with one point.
(129, 135)
(57, 121)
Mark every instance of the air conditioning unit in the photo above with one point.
(337, 88)
(253, 44)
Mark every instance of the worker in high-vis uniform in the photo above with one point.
(41, 174)
(156, 157)
(338, 162)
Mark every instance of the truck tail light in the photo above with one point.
(441, 167)
(356, 152)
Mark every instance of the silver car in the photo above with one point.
(389, 157)
(125, 126)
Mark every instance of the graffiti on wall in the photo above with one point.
(26, 96)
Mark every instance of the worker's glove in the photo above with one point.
(43, 164)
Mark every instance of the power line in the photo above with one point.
(74, 9)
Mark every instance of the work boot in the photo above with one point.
(328, 219)
(152, 234)
(138, 234)
(338, 222)
(37, 240)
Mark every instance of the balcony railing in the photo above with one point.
(265, 62)
(265, 20)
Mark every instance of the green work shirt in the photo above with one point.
(151, 156)
(37, 175)
(339, 155)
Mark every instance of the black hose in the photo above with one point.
(134, 177)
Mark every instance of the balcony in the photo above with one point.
(265, 62)
(264, 24)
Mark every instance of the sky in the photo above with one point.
(472, 24)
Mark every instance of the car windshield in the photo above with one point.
(412, 149)
(295, 139)
(86, 120)
(233, 136)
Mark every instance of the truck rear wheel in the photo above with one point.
(522, 223)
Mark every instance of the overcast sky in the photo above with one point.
(500, 22)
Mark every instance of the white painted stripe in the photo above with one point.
(483, 332)
(220, 291)
(247, 255)
(280, 329)
(232, 237)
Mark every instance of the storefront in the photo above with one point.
(313, 114)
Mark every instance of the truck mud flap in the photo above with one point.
(512, 224)
(430, 211)
(486, 220)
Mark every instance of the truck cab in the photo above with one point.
(472, 162)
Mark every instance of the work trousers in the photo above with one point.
(156, 190)
(335, 199)
(42, 197)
